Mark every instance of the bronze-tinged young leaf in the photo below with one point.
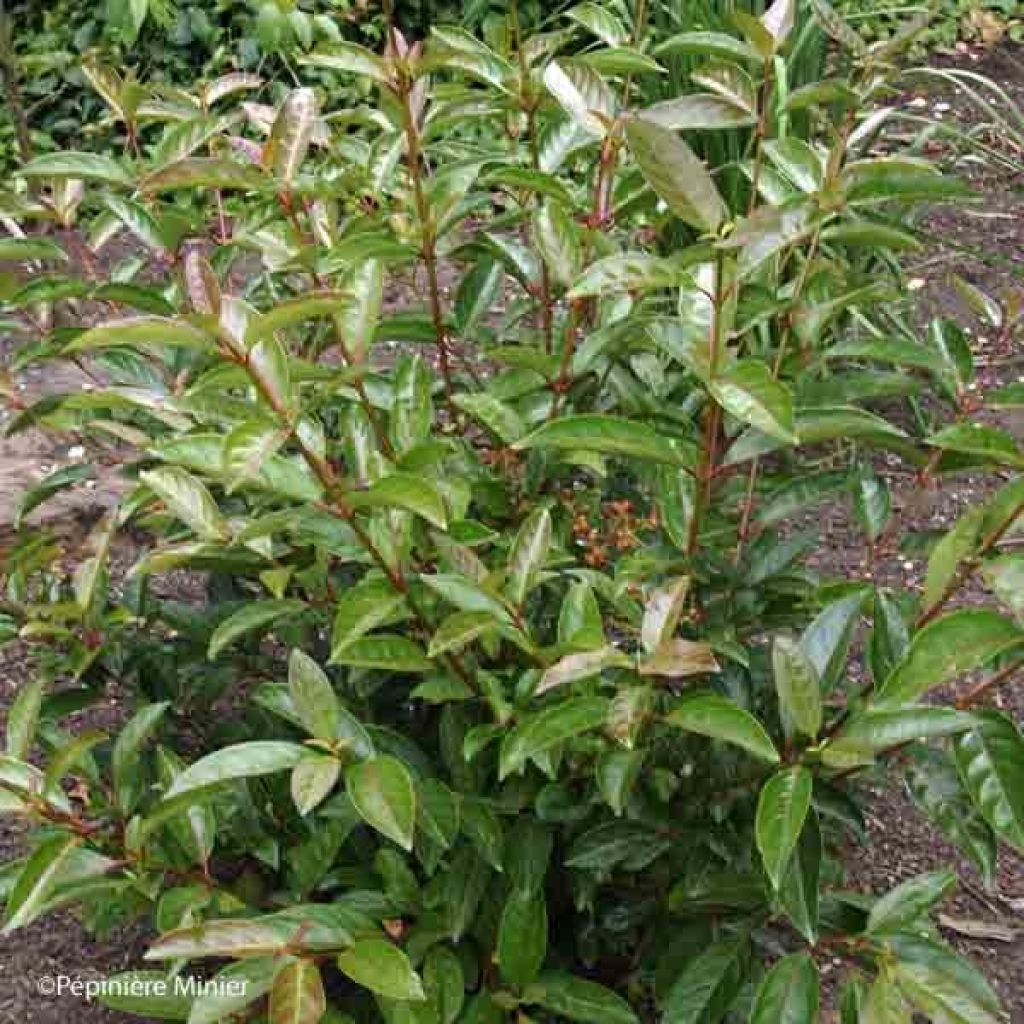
(677, 658)
(206, 172)
(226, 937)
(297, 995)
(662, 612)
(676, 174)
(781, 811)
(574, 667)
(291, 134)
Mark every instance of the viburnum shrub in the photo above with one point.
(476, 673)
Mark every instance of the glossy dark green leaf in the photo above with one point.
(781, 811)
(719, 718)
(259, 615)
(902, 907)
(578, 999)
(606, 435)
(789, 993)
(946, 648)
(542, 730)
(523, 937)
(990, 759)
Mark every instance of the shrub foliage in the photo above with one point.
(476, 670)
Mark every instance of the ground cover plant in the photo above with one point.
(480, 414)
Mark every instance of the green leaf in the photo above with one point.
(627, 272)
(676, 174)
(943, 986)
(606, 435)
(82, 166)
(312, 780)
(878, 728)
(977, 439)
(349, 58)
(749, 392)
(370, 603)
(789, 993)
(1005, 577)
(206, 172)
(406, 491)
(946, 648)
(579, 1000)
(313, 696)
(879, 179)
(385, 651)
(799, 891)
(382, 792)
(697, 111)
(251, 617)
(990, 759)
(297, 995)
(900, 908)
(707, 985)
(36, 881)
(147, 994)
(717, 717)
(141, 331)
(797, 686)
(187, 499)
(522, 937)
(936, 789)
(539, 732)
(379, 966)
(781, 811)
(946, 556)
(528, 554)
(554, 235)
(30, 247)
(238, 761)
(707, 44)
(497, 416)
(124, 759)
(458, 630)
(23, 718)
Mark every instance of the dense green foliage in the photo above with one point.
(476, 671)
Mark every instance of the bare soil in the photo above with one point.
(986, 925)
